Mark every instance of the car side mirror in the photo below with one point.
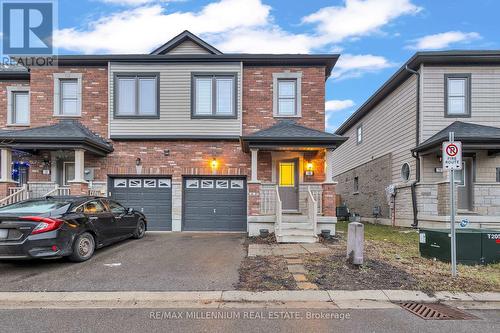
(130, 210)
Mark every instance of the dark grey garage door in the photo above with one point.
(215, 204)
(152, 196)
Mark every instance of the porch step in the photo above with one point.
(297, 225)
(297, 232)
(294, 218)
(297, 239)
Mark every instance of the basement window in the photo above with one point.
(356, 185)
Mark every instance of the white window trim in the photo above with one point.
(290, 76)
(57, 93)
(10, 104)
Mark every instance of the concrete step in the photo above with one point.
(294, 218)
(297, 239)
(297, 225)
(297, 232)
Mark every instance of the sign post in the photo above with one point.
(452, 160)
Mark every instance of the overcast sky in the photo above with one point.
(374, 37)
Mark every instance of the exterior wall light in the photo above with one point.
(214, 163)
(309, 169)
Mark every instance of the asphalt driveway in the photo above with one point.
(158, 262)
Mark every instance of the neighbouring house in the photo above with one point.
(395, 139)
(196, 139)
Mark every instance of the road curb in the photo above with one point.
(342, 299)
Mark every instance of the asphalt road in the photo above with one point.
(144, 320)
(158, 262)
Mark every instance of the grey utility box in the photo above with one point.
(355, 242)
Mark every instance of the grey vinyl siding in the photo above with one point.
(175, 102)
(388, 128)
(485, 100)
(188, 47)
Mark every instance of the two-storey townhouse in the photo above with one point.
(196, 139)
(395, 141)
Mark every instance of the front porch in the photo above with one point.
(49, 160)
(291, 190)
(477, 184)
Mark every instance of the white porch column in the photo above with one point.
(329, 166)
(255, 162)
(53, 167)
(6, 165)
(79, 166)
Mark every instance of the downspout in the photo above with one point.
(415, 155)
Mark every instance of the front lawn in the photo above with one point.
(392, 261)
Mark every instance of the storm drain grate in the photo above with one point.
(434, 311)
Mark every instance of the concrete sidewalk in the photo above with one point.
(334, 299)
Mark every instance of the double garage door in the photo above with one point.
(209, 203)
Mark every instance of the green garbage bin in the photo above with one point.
(474, 246)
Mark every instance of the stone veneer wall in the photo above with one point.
(374, 177)
(427, 199)
(487, 199)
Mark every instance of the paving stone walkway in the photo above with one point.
(291, 253)
(285, 249)
(295, 265)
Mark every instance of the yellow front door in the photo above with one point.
(288, 184)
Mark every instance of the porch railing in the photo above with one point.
(312, 210)
(278, 212)
(95, 192)
(268, 200)
(58, 191)
(317, 193)
(16, 194)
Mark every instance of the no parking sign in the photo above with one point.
(452, 155)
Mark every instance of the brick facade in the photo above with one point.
(178, 158)
(258, 97)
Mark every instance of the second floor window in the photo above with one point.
(287, 97)
(69, 97)
(136, 95)
(213, 96)
(20, 108)
(457, 95)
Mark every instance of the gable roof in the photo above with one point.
(182, 37)
(490, 57)
(66, 133)
(288, 132)
(465, 132)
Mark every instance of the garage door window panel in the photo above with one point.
(120, 183)
(236, 184)
(207, 183)
(192, 183)
(135, 183)
(150, 183)
(164, 183)
(222, 184)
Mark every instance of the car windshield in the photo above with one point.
(34, 207)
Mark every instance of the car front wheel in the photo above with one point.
(140, 231)
(83, 248)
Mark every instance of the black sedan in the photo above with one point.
(66, 226)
